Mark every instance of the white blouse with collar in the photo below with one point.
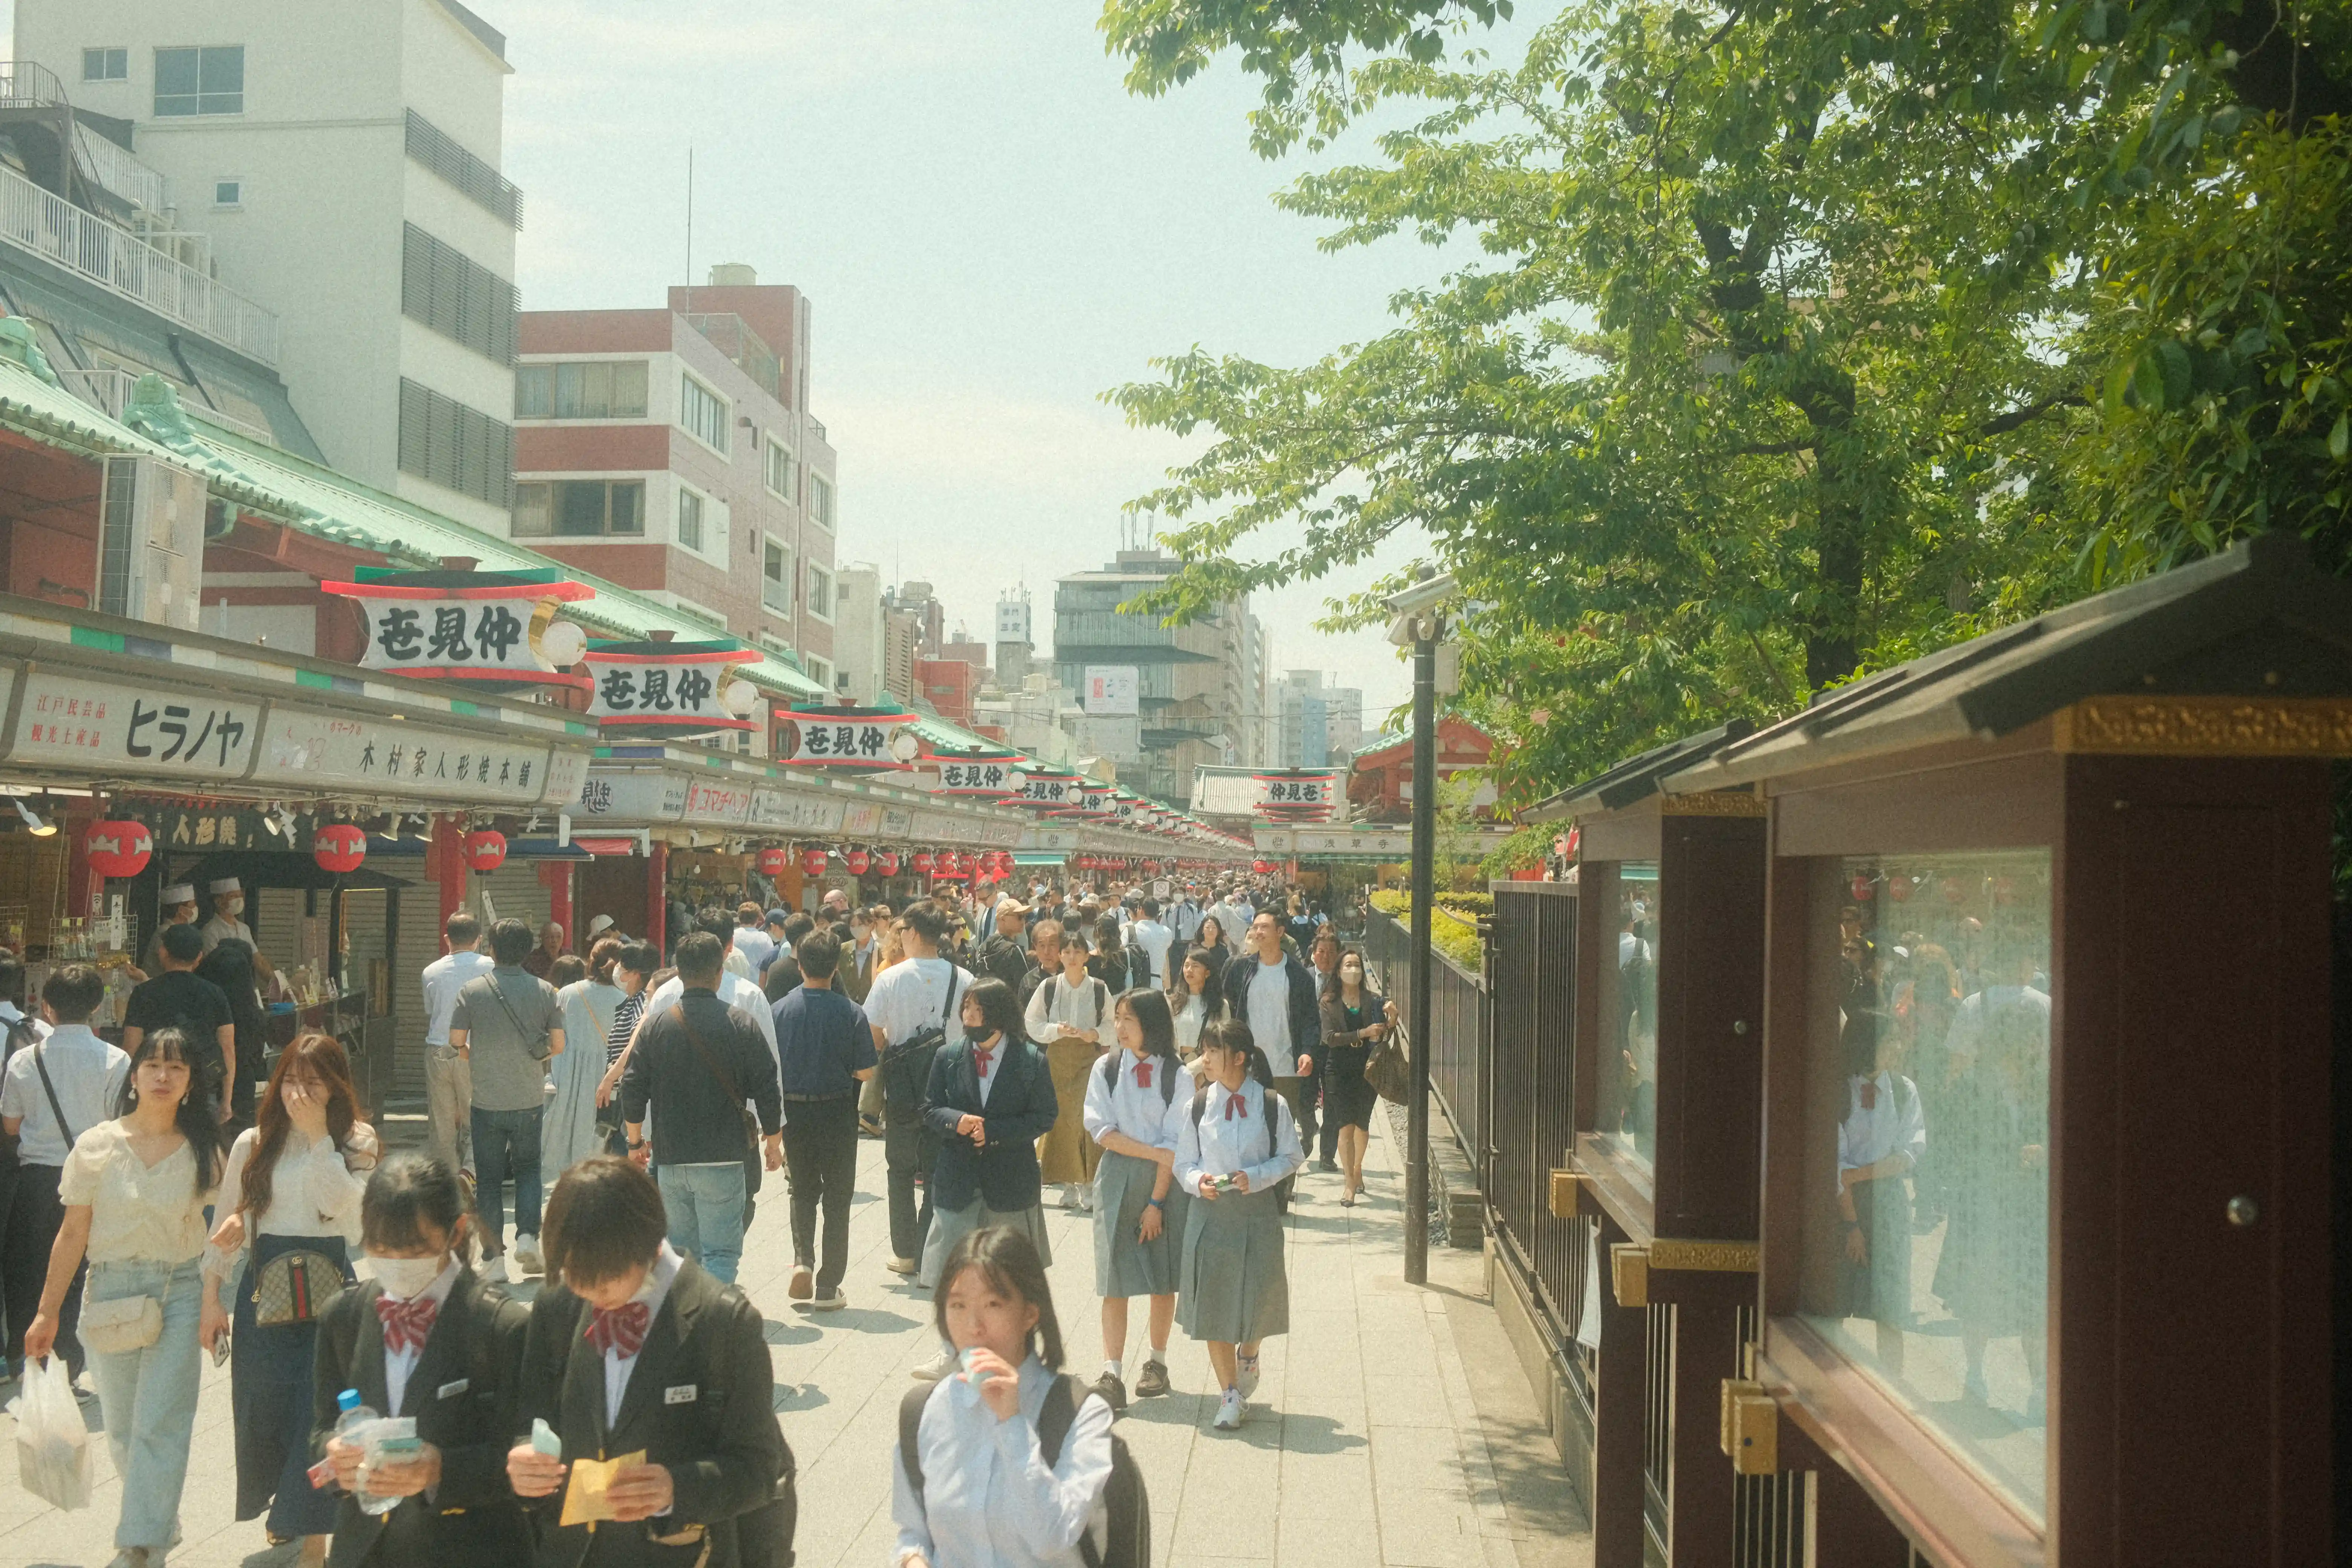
(313, 1191)
(989, 1500)
(1223, 1144)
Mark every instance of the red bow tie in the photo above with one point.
(1143, 1075)
(620, 1328)
(1869, 1095)
(982, 1058)
(407, 1323)
(1236, 1106)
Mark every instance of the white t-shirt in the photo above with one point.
(756, 946)
(733, 990)
(1269, 1015)
(87, 1074)
(908, 998)
(444, 978)
(1154, 939)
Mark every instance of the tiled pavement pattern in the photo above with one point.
(1393, 1427)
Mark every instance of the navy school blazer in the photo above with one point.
(1021, 1109)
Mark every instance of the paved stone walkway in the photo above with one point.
(1393, 1427)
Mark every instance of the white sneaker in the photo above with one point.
(937, 1367)
(1069, 1196)
(1245, 1376)
(1229, 1411)
(831, 1303)
(902, 1265)
(493, 1270)
(527, 1259)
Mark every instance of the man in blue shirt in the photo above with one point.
(826, 1049)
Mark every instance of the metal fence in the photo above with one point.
(1457, 1027)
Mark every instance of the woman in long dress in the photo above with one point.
(1069, 1015)
(591, 1000)
(1355, 1020)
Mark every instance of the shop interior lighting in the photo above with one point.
(35, 823)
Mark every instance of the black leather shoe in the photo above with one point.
(1328, 1167)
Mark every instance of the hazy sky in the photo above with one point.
(991, 233)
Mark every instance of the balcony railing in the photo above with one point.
(108, 389)
(111, 165)
(49, 226)
(28, 84)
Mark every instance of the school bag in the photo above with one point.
(1139, 968)
(1128, 1535)
(1110, 1068)
(1282, 1189)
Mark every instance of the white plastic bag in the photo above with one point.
(53, 1448)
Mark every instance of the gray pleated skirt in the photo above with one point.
(952, 1225)
(1126, 1265)
(1232, 1286)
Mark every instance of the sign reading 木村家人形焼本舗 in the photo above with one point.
(495, 629)
(672, 690)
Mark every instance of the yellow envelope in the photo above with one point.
(588, 1499)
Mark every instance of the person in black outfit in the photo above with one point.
(1045, 961)
(825, 1048)
(229, 966)
(178, 999)
(698, 1062)
(455, 1344)
(1355, 1020)
(634, 1349)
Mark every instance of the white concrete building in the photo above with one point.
(857, 639)
(343, 161)
(1319, 723)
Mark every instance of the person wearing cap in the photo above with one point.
(600, 925)
(179, 902)
(999, 955)
(228, 921)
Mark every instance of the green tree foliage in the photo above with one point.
(1805, 336)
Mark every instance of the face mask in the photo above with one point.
(237, 906)
(405, 1278)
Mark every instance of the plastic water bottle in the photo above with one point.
(357, 1424)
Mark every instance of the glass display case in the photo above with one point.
(1626, 1108)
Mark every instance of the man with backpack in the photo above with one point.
(911, 1010)
(1000, 953)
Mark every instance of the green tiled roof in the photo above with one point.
(33, 400)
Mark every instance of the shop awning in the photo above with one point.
(1026, 858)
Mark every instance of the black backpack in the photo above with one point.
(1129, 1504)
(1275, 1106)
(1139, 968)
(1166, 1080)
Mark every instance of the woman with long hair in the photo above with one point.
(591, 997)
(1212, 936)
(633, 972)
(971, 1483)
(1133, 1111)
(1194, 1000)
(1068, 1018)
(1355, 1019)
(1109, 963)
(134, 1191)
(229, 966)
(1236, 1143)
(288, 1217)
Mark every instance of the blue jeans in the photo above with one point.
(705, 1214)
(506, 1143)
(149, 1396)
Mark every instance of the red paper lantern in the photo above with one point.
(1862, 886)
(339, 848)
(885, 862)
(774, 861)
(1955, 891)
(922, 863)
(1263, 867)
(1899, 889)
(813, 862)
(859, 861)
(119, 849)
(486, 849)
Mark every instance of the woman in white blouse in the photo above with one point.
(1069, 1020)
(1235, 1145)
(134, 1191)
(971, 1486)
(291, 1190)
(1193, 1004)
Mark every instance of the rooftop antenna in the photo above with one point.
(690, 227)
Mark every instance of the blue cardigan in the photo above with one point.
(1021, 1109)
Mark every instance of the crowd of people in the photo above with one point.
(1166, 1066)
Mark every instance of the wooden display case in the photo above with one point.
(2048, 986)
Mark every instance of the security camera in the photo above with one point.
(1417, 599)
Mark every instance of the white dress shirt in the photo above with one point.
(988, 1498)
(399, 1364)
(444, 978)
(1223, 1145)
(1128, 1106)
(653, 1292)
(736, 992)
(1893, 1125)
(1057, 1003)
(87, 1074)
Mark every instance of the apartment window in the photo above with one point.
(602, 389)
(820, 592)
(200, 81)
(229, 192)
(818, 670)
(690, 518)
(456, 296)
(776, 577)
(821, 498)
(455, 447)
(702, 412)
(580, 508)
(105, 65)
(780, 470)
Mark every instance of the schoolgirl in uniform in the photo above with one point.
(993, 1467)
(1134, 1109)
(425, 1338)
(1235, 1145)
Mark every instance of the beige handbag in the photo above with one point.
(124, 1324)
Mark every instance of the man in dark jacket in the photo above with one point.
(1000, 953)
(1276, 996)
(698, 1062)
(638, 1350)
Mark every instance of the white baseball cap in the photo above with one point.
(601, 924)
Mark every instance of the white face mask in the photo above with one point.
(404, 1279)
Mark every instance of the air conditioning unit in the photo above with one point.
(151, 543)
